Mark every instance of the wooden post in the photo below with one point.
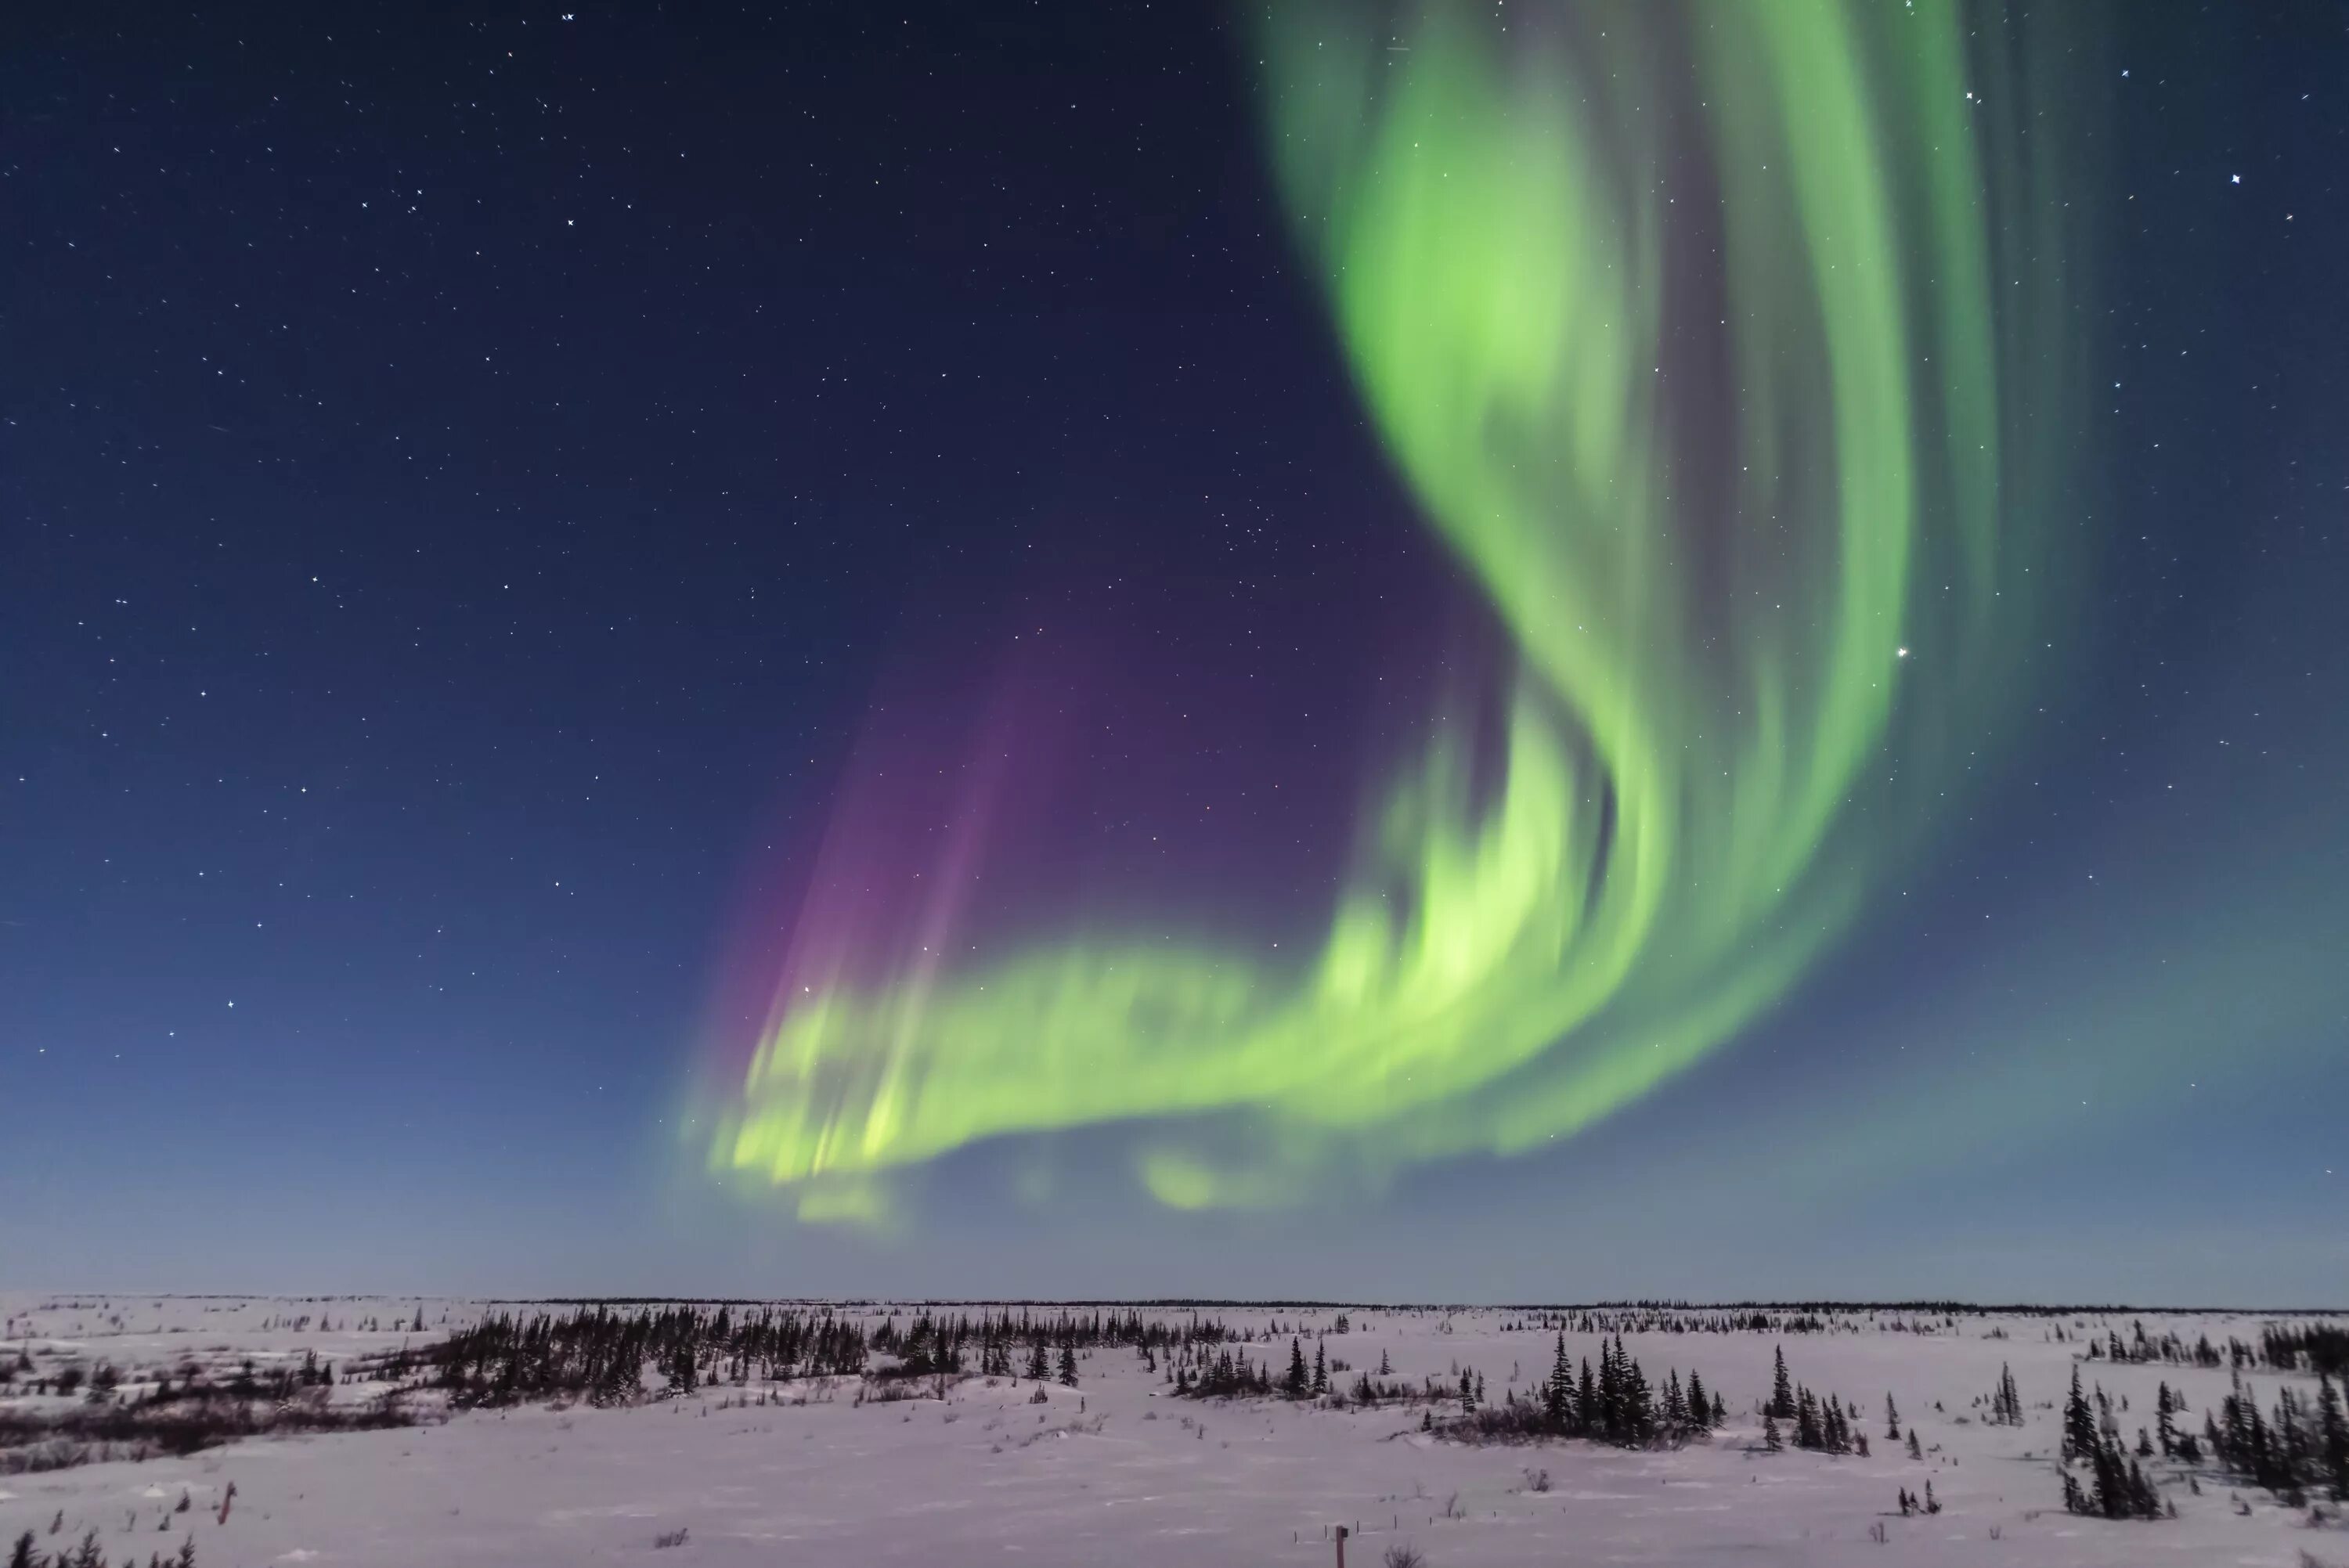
(1342, 1546)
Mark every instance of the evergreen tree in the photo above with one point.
(1467, 1392)
(2144, 1501)
(2080, 1438)
(1558, 1392)
(1321, 1372)
(22, 1557)
(2006, 1406)
(1068, 1364)
(1700, 1404)
(2292, 1458)
(2333, 1437)
(1637, 1420)
(1891, 1418)
(1782, 1391)
(1770, 1438)
(1806, 1421)
(1295, 1384)
(1038, 1369)
(1916, 1448)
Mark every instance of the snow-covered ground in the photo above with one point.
(1116, 1470)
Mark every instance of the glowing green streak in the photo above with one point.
(1705, 713)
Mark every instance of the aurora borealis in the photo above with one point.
(1138, 649)
(1679, 325)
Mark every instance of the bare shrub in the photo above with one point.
(668, 1538)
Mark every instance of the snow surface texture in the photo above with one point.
(1135, 1476)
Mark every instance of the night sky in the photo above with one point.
(531, 540)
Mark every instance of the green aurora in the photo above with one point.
(1707, 337)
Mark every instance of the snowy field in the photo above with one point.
(1118, 1470)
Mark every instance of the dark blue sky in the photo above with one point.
(469, 488)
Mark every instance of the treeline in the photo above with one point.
(602, 1355)
(1614, 1403)
(2296, 1448)
(1823, 1425)
(1034, 1347)
(2117, 1486)
(2165, 1348)
(2322, 1348)
(88, 1554)
(99, 1434)
(1221, 1377)
(1618, 1321)
(277, 1385)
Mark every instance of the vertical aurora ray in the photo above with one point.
(1679, 322)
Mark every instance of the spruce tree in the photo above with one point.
(1770, 1438)
(2080, 1440)
(1321, 1371)
(1891, 1418)
(1806, 1421)
(1295, 1383)
(1781, 1389)
(1699, 1403)
(1916, 1448)
(2333, 1437)
(1068, 1363)
(1636, 1420)
(1558, 1392)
